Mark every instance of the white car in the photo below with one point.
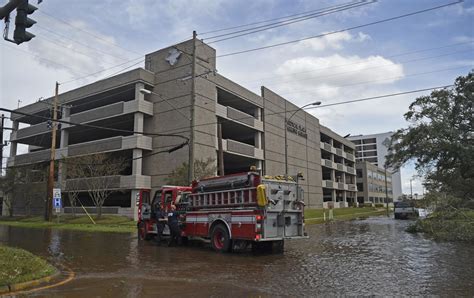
(404, 210)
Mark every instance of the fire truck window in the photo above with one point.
(146, 197)
(168, 197)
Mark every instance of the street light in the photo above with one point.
(411, 187)
(146, 91)
(316, 103)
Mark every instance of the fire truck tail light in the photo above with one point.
(258, 237)
(258, 217)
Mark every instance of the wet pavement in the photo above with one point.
(365, 257)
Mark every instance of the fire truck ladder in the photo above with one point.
(225, 198)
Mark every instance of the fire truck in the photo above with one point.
(232, 211)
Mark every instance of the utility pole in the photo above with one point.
(386, 191)
(193, 101)
(411, 189)
(49, 200)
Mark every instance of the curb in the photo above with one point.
(27, 284)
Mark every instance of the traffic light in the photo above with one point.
(22, 22)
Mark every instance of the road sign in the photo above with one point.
(57, 198)
(56, 193)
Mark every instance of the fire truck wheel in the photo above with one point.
(142, 234)
(220, 239)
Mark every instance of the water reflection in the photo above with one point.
(370, 257)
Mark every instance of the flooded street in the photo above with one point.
(367, 257)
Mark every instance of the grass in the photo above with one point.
(121, 224)
(118, 224)
(447, 225)
(315, 216)
(18, 265)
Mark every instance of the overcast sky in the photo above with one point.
(420, 51)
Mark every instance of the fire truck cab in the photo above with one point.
(162, 200)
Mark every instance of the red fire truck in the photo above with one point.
(232, 211)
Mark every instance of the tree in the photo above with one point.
(440, 139)
(202, 169)
(97, 174)
(73, 190)
(7, 185)
(11, 183)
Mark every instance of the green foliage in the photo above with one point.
(18, 265)
(440, 139)
(202, 169)
(450, 224)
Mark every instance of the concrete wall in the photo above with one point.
(174, 83)
(304, 154)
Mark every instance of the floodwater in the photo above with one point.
(363, 257)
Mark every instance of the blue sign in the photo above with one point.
(57, 203)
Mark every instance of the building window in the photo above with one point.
(371, 159)
(369, 141)
(360, 186)
(370, 153)
(359, 173)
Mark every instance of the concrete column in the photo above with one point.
(65, 132)
(137, 162)
(333, 195)
(137, 153)
(138, 122)
(258, 140)
(259, 114)
(13, 145)
(133, 203)
(138, 94)
(64, 143)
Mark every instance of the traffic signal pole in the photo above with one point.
(49, 200)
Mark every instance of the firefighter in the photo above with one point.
(160, 222)
(173, 224)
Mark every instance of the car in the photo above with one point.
(404, 210)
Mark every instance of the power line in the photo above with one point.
(68, 48)
(41, 58)
(268, 114)
(286, 23)
(367, 68)
(93, 126)
(81, 43)
(381, 96)
(360, 62)
(266, 21)
(100, 71)
(339, 31)
(86, 31)
(177, 130)
(379, 80)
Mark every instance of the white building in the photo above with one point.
(373, 148)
